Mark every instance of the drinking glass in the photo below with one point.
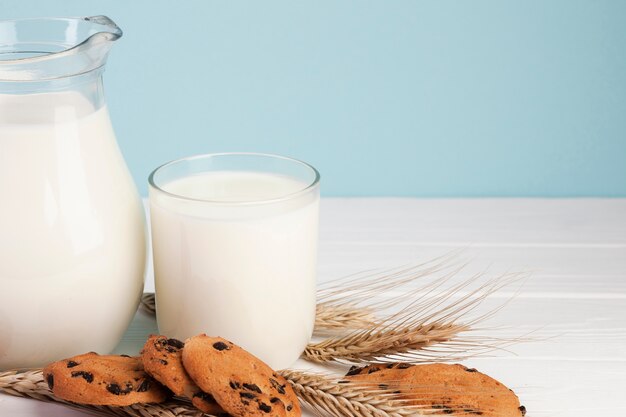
(234, 237)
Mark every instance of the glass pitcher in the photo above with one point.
(72, 229)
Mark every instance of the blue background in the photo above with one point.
(405, 98)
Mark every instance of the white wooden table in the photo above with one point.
(575, 300)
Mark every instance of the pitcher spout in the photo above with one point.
(44, 49)
(108, 29)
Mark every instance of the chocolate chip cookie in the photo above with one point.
(162, 359)
(450, 389)
(240, 382)
(103, 380)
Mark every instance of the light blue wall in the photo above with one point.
(419, 98)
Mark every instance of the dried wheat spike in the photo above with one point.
(410, 343)
(430, 322)
(325, 394)
(330, 319)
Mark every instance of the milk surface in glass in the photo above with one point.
(72, 243)
(245, 272)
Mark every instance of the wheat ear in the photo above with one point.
(325, 394)
(30, 384)
(429, 325)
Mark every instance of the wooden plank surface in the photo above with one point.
(572, 305)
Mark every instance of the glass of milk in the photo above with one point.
(234, 237)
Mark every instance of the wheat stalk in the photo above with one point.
(370, 346)
(327, 394)
(430, 325)
(331, 319)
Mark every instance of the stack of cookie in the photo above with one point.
(222, 379)
(219, 378)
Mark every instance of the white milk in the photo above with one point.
(244, 271)
(72, 245)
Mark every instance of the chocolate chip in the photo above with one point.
(163, 362)
(444, 408)
(125, 356)
(252, 387)
(265, 408)
(144, 386)
(234, 384)
(383, 386)
(205, 397)
(115, 389)
(247, 395)
(274, 400)
(277, 386)
(354, 370)
(175, 343)
(471, 370)
(372, 370)
(169, 345)
(472, 411)
(390, 365)
(521, 408)
(50, 381)
(87, 376)
(71, 364)
(289, 407)
(403, 365)
(220, 346)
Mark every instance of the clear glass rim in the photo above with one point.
(115, 33)
(47, 57)
(310, 186)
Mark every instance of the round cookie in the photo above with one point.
(452, 389)
(162, 359)
(240, 382)
(103, 380)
